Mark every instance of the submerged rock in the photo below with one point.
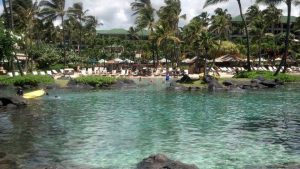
(213, 83)
(2, 155)
(160, 161)
(16, 101)
(8, 164)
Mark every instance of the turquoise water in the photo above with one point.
(118, 128)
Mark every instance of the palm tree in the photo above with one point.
(205, 41)
(212, 2)
(169, 16)
(77, 12)
(258, 25)
(220, 26)
(272, 15)
(288, 29)
(26, 13)
(145, 19)
(51, 10)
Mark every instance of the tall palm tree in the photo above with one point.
(77, 12)
(169, 16)
(272, 15)
(258, 25)
(51, 10)
(221, 23)
(205, 41)
(288, 29)
(212, 2)
(26, 13)
(144, 11)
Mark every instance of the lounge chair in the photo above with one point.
(54, 72)
(90, 71)
(123, 72)
(157, 72)
(114, 72)
(186, 72)
(34, 72)
(17, 74)
(42, 73)
(10, 74)
(49, 72)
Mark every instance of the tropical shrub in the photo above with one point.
(268, 75)
(31, 80)
(96, 81)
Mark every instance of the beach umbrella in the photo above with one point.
(118, 60)
(164, 60)
(186, 60)
(128, 61)
(102, 61)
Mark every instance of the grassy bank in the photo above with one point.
(96, 81)
(30, 80)
(268, 75)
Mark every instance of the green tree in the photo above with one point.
(212, 2)
(51, 10)
(145, 19)
(288, 30)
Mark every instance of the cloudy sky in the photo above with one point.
(118, 14)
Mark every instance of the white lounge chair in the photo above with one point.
(42, 73)
(49, 72)
(114, 72)
(157, 72)
(17, 74)
(10, 74)
(34, 72)
(54, 72)
(90, 71)
(186, 72)
(123, 72)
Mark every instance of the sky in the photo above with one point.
(118, 14)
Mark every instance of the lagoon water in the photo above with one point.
(115, 129)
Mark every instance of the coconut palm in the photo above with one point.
(79, 14)
(221, 23)
(145, 19)
(169, 16)
(51, 10)
(212, 2)
(272, 15)
(206, 42)
(288, 29)
(258, 25)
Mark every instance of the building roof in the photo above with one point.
(120, 31)
(283, 19)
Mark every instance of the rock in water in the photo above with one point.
(160, 161)
(17, 101)
(213, 83)
(185, 79)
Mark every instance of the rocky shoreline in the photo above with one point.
(214, 85)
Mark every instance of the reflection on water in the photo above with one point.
(116, 129)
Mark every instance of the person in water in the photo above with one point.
(20, 91)
(167, 77)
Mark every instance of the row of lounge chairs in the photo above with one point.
(43, 73)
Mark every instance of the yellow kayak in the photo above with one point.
(34, 94)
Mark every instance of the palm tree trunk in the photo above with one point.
(11, 15)
(153, 53)
(80, 36)
(5, 12)
(64, 42)
(247, 36)
(287, 35)
(205, 62)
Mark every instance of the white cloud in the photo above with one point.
(118, 14)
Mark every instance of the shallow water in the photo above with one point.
(118, 128)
